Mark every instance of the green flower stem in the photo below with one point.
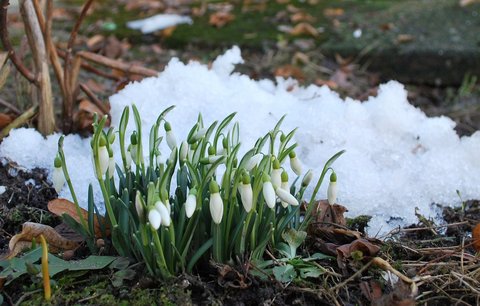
(161, 257)
(217, 243)
(70, 185)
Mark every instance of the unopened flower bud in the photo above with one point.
(307, 178)
(183, 152)
(276, 174)
(332, 189)
(268, 191)
(163, 211)
(253, 161)
(58, 179)
(191, 203)
(295, 163)
(171, 141)
(154, 218)
(216, 203)
(139, 206)
(246, 192)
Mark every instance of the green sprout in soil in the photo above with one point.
(233, 212)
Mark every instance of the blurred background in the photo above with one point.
(432, 46)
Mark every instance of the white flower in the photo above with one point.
(268, 191)
(183, 151)
(295, 163)
(128, 157)
(216, 203)
(103, 158)
(276, 177)
(58, 179)
(286, 197)
(332, 189)
(246, 194)
(307, 178)
(139, 206)
(253, 161)
(171, 141)
(133, 153)
(154, 218)
(164, 214)
(284, 186)
(111, 166)
(191, 203)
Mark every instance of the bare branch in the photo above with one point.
(6, 44)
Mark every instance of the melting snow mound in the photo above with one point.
(396, 157)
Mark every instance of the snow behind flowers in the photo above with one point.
(397, 158)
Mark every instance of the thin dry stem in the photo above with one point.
(115, 64)
(8, 46)
(46, 118)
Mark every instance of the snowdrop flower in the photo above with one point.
(128, 157)
(286, 197)
(216, 203)
(171, 141)
(183, 152)
(295, 163)
(102, 154)
(139, 206)
(276, 174)
(58, 179)
(154, 218)
(284, 186)
(191, 203)
(164, 214)
(268, 191)
(253, 161)
(307, 178)
(191, 151)
(111, 163)
(332, 189)
(199, 134)
(246, 192)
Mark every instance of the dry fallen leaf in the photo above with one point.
(301, 17)
(220, 19)
(5, 120)
(304, 28)
(404, 38)
(63, 206)
(476, 237)
(468, 2)
(31, 231)
(333, 12)
(288, 71)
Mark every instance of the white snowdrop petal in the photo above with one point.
(332, 193)
(216, 207)
(269, 194)
(190, 205)
(286, 196)
(246, 194)
(154, 218)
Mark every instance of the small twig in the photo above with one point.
(20, 120)
(92, 69)
(76, 27)
(68, 72)
(359, 272)
(94, 98)
(461, 279)
(115, 64)
(24, 296)
(10, 106)
(7, 45)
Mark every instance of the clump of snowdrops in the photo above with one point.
(221, 205)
